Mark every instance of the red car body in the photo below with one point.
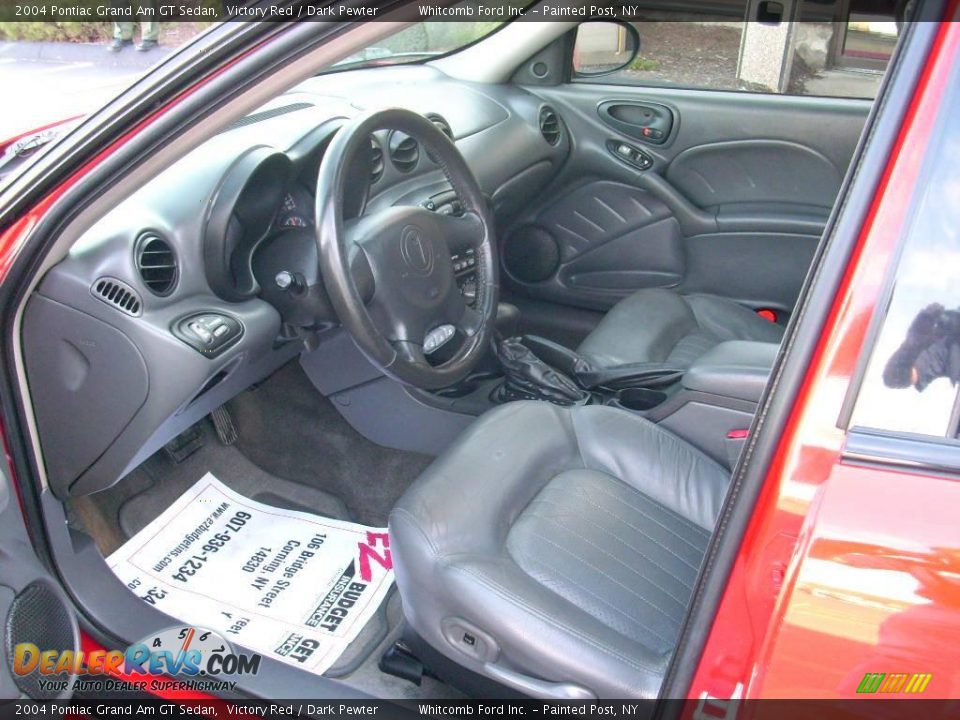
(797, 618)
(782, 633)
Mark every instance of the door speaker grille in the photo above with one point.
(38, 616)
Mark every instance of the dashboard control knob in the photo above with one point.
(284, 279)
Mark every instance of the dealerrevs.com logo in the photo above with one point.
(200, 659)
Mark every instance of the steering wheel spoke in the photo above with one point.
(410, 352)
(461, 232)
(470, 321)
(362, 274)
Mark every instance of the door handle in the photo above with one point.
(650, 122)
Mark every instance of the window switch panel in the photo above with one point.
(630, 154)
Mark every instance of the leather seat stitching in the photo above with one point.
(629, 547)
(676, 516)
(649, 537)
(550, 568)
(626, 499)
(613, 557)
(611, 577)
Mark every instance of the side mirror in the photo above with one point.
(604, 46)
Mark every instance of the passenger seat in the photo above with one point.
(662, 326)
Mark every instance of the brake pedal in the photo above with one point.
(224, 425)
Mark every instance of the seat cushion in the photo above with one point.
(565, 541)
(660, 325)
(619, 556)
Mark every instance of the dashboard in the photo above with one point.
(179, 298)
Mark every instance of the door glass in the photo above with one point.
(822, 50)
(869, 38)
(912, 377)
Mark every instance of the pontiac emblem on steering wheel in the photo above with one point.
(416, 250)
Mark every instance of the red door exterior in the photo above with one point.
(847, 570)
(844, 570)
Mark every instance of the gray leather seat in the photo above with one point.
(555, 548)
(660, 325)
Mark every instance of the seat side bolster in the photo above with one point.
(654, 461)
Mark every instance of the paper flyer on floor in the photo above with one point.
(289, 585)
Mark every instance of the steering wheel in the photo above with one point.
(388, 274)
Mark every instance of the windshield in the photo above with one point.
(423, 40)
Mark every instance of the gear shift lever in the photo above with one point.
(527, 377)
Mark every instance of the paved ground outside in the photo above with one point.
(46, 82)
(39, 93)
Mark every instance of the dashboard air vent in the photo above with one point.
(156, 263)
(119, 294)
(376, 160)
(267, 114)
(441, 124)
(549, 125)
(404, 151)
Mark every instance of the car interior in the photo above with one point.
(523, 323)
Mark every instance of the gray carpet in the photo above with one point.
(294, 451)
(233, 469)
(291, 431)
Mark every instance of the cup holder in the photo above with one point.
(638, 399)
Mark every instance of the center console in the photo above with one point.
(713, 404)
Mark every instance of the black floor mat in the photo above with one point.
(290, 430)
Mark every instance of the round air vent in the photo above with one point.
(404, 151)
(156, 263)
(376, 160)
(443, 126)
(549, 125)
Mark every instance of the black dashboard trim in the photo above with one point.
(232, 229)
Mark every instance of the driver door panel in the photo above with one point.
(33, 608)
(731, 199)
